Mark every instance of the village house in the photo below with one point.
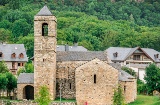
(86, 76)
(135, 58)
(14, 55)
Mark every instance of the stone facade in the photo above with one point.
(65, 75)
(20, 90)
(45, 54)
(129, 90)
(95, 83)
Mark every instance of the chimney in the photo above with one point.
(115, 54)
(66, 47)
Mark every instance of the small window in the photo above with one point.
(124, 89)
(22, 64)
(21, 55)
(44, 29)
(1, 54)
(70, 85)
(13, 55)
(136, 57)
(95, 78)
(19, 64)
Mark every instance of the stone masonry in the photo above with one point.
(85, 76)
(99, 91)
(45, 53)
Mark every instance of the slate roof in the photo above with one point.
(25, 78)
(44, 12)
(123, 76)
(80, 55)
(70, 48)
(123, 53)
(9, 49)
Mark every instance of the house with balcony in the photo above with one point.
(136, 58)
(14, 55)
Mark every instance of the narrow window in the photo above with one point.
(1, 54)
(95, 78)
(22, 64)
(13, 65)
(19, 64)
(124, 89)
(44, 29)
(70, 86)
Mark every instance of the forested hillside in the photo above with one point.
(95, 24)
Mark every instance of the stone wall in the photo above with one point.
(20, 90)
(129, 90)
(33, 103)
(95, 83)
(45, 54)
(65, 75)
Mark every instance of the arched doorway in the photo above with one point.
(28, 92)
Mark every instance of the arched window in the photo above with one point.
(21, 55)
(44, 29)
(13, 55)
(95, 78)
(1, 54)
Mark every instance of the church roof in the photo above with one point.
(81, 55)
(44, 12)
(8, 49)
(25, 78)
(70, 48)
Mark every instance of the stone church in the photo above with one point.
(87, 76)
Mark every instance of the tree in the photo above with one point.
(152, 78)
(118, 98)
(43, 97)
(5, 35)
(3, 67)
(28, 42)
(11, 84)
(129, 70)
(3, 82)
(29, 68)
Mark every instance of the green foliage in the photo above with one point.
(141, 87)
(5, 35)
(3, 81)
(12, 81)
(152, 78)
(95, 24)
(129, 70)
(146, 100)
(29, 68)
(3, 67)
(118, 98)
(43, 97)
(28, 41)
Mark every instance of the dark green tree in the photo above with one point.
(152, 78)
(11, 84)
(3, 67)
(3, 82)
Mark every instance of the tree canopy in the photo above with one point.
(95, 24)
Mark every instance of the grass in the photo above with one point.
(64, 100)
(146, 100)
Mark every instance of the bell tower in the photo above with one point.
(45, 51)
